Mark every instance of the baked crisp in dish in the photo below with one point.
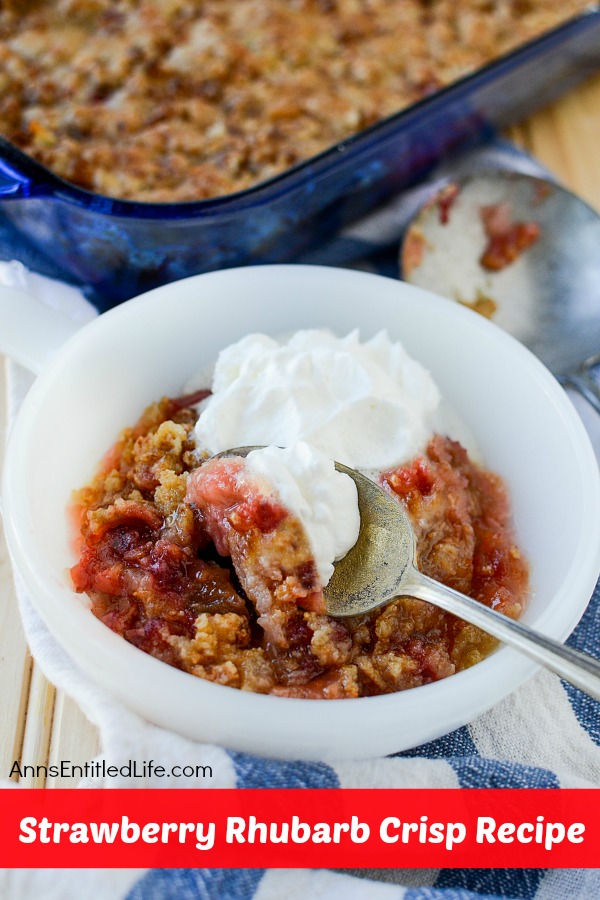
(200, 567)
(183, 100)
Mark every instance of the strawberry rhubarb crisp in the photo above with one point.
(183, 100)
(217, 565)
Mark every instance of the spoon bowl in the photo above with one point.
(374, 571)
(548, 297)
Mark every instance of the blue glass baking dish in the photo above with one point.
(116, 249)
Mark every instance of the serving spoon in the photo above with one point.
(382, 565)
(548, 298)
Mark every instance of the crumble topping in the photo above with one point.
(175, 100)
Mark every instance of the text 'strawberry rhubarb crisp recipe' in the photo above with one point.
(217, 565)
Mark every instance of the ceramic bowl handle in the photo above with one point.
(31, 332)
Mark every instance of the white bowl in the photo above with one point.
(104, 376)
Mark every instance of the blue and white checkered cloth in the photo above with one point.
(546, 734)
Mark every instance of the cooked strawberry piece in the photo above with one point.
(268, 545)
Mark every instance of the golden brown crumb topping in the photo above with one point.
(159, 534)
(176, 100)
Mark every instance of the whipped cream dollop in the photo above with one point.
(321, 398)
(368, 405)
(309, 486)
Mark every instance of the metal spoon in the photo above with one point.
(549, 298)
(382, 565)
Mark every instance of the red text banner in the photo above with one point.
(334, 828)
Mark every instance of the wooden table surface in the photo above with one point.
(39, 725)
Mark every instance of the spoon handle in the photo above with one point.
(583, 380)
(577, 668)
